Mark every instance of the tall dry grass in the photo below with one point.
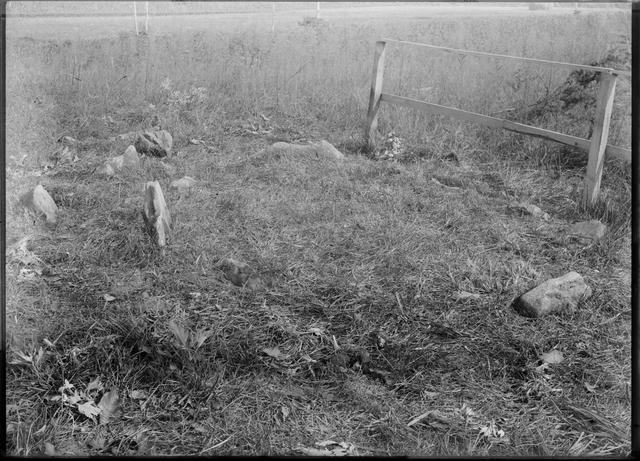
(317, 73)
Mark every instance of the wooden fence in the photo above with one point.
(596, 146)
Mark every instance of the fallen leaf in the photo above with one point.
(553, 356)
(285, 411)
(200, 337)
(315, 452)
(466, 295)
(326, 443)
(589, 387)
(110, 406)
(107, 297)
(89, 409)
(49, 449)
(95, 384)
(180, 332)
(272, 352)
(138, 394)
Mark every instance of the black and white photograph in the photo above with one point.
(318, 229)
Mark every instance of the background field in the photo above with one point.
(352, 252)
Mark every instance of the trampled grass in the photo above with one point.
(385, 321)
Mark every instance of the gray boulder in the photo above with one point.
(41, 202)
(321, 149)
(156, 143)
(553, 296)
(587, 231)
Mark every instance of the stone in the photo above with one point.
(553, 296)
(41, 202)
(168, 168)
(155, 213)
(329, 150)
(321, 149)
(587, 231)
(240, 274)
(527, 208)
(185, 182)
(106, 169)
(154, 143)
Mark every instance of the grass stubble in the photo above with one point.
(359, 329)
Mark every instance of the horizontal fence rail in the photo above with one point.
(568, 65)
(596, 146)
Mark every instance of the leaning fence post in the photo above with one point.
(376, 90)
(599, 137)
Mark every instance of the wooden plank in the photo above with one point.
(599, 137)
(494, 122)
(376, 91)
(605, 70)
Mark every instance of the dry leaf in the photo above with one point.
(285, 411)
(466, 295)
(200, 337)
(272, 352)
(107, 297)
(180, 332)
(49, 449)
(110, 406)
(89, 409)
(138, 394)
(589, 387)
(553, 356)
(315, 452)
(95, 384)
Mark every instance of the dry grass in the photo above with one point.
(359, 330)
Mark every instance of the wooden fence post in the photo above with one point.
(599, 137)
(376, 89)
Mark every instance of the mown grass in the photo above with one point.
(363, 259)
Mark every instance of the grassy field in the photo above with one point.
(385, 324)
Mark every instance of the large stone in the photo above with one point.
(587, 231)
(155, 213)
(154, 143)
(321, 149)
(553, 296)
(183, 183)
(41, 202)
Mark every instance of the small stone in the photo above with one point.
(240, 274)
(553, 296)
(587, 231)
(527, 208)
(105, 169)
(41, 202)
(168, 168)
(185, 182)
(154, 143)
(155, 212)
(131, 157)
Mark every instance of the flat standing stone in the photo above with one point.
(554, 295)
(155, 212)
(592, 230)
